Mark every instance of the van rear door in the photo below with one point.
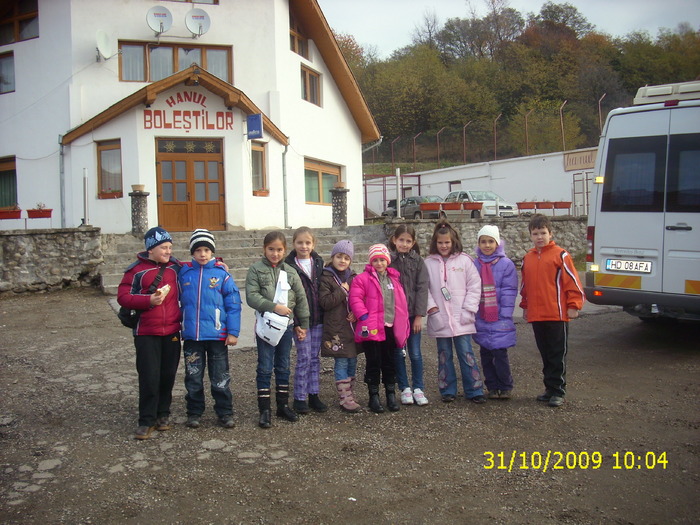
(629, 232)
(681, 272)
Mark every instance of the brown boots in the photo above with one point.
(347, 399)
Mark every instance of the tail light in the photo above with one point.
(590, 234)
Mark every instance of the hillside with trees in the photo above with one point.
(505, 85)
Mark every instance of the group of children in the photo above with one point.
(329, 311)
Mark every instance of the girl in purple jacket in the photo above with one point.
(378, 302)
(453, 300)
(495, 330)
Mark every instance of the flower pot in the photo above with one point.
(429, 206)
(10, 214)
(451, 205)
(261, 193)
(138, 187)
(526, 205)
(562, 205)
(545, 205)
(472, 205)
(40, 214)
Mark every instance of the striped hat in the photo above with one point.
(201, 237)
(379, 250)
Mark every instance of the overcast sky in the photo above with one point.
(389, 24)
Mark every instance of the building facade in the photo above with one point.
(100, 95)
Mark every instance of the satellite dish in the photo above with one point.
(106, 45)
(197, 21)
(159, 19)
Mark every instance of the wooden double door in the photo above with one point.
(190, 182)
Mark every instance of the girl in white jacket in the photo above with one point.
(453, 300)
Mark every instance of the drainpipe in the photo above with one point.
(62, 181)
(284, 183)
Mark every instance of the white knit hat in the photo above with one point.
(491, 231)
(201, 237)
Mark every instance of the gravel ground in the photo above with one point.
(68, 411)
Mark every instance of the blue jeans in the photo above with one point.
(414, 354)
(276, 357)
(344, 367)
(447, 375)
(197, 353)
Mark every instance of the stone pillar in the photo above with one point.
(139, 212)
(340, 206)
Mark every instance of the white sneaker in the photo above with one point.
(406, 396)
(420, 398)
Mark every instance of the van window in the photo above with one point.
(634, 175)
(684, 173)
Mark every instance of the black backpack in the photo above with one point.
(129, 317)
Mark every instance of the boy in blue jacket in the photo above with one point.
(211, 320)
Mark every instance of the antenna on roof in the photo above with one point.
(197, 21)
(159, 19)
(106, 46)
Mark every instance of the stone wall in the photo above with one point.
(568, 232)
(34, 260)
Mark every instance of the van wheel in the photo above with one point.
(476, 214)
(416, 215)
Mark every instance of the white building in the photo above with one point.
(97, 96)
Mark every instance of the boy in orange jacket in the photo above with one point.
(551, 295)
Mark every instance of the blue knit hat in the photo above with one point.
(156, 236)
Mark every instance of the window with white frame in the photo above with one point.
(319, 179)
(109, 169)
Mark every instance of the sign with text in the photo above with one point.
(580, 160)
(255, 128)
(187, 110)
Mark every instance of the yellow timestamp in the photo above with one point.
(583, 460)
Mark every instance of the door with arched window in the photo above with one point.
(190, 181)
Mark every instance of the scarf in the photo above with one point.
(488, 307)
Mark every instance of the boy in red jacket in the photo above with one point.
(551, 295)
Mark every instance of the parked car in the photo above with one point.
(410, 207)
(490, 200)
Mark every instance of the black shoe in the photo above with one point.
(286, 413)
(227, 421)
(375, 405)
(448, 398)
(163, 424)
(391, 403)
(301, 407)
(545, 396)
(479, 400)
(504, 394)
(264, 421)
(556, 401)
(316, 404)
(192, 422)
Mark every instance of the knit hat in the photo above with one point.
(345, 247)
(491, 231)
(379, 250)
(201, 237)
(156, 236)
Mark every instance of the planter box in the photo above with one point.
(40, 214)
(544, 205)
(472, 205)
(526, 205)
(562, 205)
(10, 214)
(430, 206)
(451, 205)
(261, 193)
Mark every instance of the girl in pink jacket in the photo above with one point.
(453, 300)
(378, 302)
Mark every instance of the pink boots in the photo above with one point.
(347, 400)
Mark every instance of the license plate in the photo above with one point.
(623, 265)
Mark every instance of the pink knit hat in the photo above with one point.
(379, 250)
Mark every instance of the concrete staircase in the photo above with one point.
(238, 248)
